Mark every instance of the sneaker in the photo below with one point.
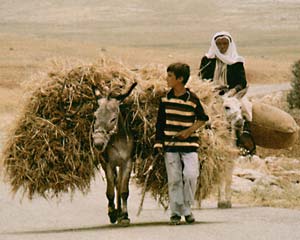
(175, 220)
(189, 219)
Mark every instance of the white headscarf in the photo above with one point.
(231, 56)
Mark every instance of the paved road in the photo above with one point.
(85, 218)
(261, 89)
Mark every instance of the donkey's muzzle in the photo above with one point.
(100, 141)
(239, 123)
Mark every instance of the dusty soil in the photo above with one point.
(266, 33)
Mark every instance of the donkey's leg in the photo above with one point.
(118, 184)
(224, 198)
(221, 192)
(198, 199)
(124, 190)
(110, 193)
(228, 181)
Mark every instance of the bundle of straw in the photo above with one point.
(50, 149)
(215, 153)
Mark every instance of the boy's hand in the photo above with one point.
(184, 134)
(158, 151)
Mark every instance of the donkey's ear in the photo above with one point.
(125, 95)
(241, 94)
(96, 91)
(110, 95)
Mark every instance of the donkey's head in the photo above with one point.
(233, 108)
(107, 115)
(238, 109)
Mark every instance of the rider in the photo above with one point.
(222, 64)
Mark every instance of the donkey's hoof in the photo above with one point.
(123, 220)
(224, 204)
(113, 216)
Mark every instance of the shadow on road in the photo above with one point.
(102, 227)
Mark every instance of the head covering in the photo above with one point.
(231, 56)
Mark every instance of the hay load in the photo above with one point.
(50, 150)
(215, 153)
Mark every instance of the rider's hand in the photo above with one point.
(222, 89)
(231, 92)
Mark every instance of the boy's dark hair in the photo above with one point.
(180, 70)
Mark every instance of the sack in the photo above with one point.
(272, 128)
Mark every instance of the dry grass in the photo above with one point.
(49, 150)
(270, 196)
(152, 77)
(24, 56)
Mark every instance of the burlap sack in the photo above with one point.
(272, 127)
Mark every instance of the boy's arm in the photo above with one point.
(201, 118)
(184, 134)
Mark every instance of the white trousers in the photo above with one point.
(183, 171)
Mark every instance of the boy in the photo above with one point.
(180, 114)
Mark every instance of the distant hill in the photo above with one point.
(160, 23)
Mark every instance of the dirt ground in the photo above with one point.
(138, 32)
(33, 33)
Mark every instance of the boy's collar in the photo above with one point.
(185, 96)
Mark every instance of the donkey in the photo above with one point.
(113, 137)
(238, 110)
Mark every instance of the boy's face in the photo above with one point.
(172, 81)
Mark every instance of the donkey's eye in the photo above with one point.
(113, 119)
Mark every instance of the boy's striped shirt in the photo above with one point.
(176, 114)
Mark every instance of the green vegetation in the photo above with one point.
(293, 96)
